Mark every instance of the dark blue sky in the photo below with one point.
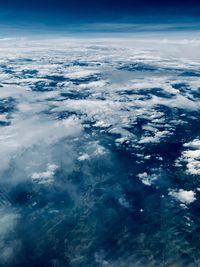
(59, 13)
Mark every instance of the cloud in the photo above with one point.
(184, 196)
(45, 177)
(23, 134)
(148, 179)
(83, 157)
(191, 156)
(8, 244)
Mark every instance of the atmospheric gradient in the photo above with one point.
(99, 134)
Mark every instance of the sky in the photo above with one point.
(59, 14)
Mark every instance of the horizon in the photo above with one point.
(99, 16)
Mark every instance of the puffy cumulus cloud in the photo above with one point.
(191, 157)
(83, 156)
(45, 177)
(158, 135)
(147, 179)
(92, 107)
(184, 196)
(93, 150)
(193, 144)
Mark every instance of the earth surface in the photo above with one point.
(100, 152)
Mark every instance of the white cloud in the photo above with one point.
(23, 134)
(155, 138)
(147, 179)
(191, 156)
(81, 74)
(83, 157)
(92, 85)
(184, 196)
(45, 177)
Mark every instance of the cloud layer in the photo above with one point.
(99, 151)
